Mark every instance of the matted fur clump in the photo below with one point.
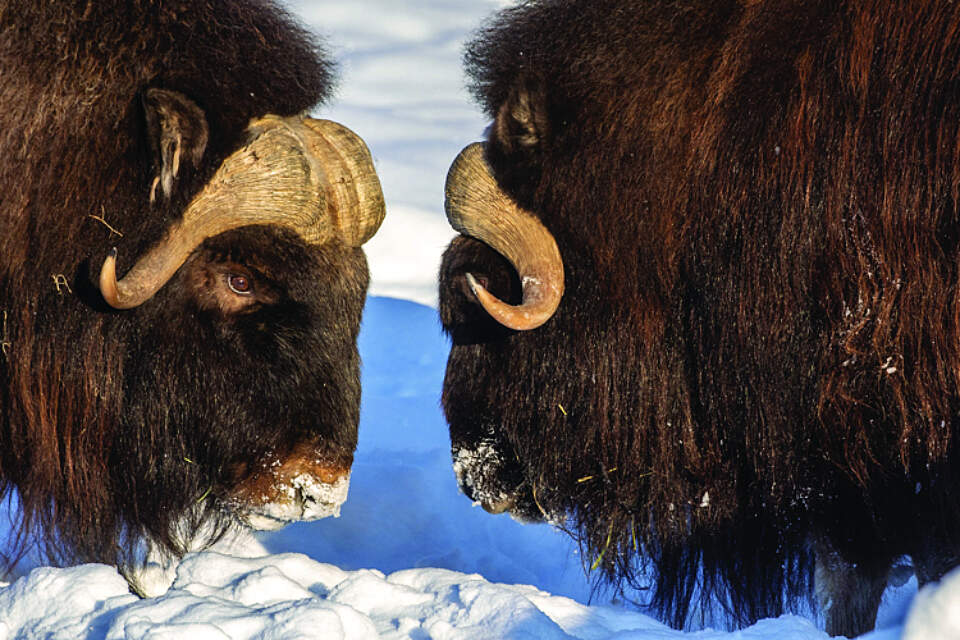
(123, 426)
(753, 372)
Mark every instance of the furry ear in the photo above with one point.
(177, 131)
(521, 125)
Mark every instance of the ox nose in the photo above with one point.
(301, 486)
(487, 479)
(497, 507)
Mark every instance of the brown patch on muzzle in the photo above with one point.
(303, 485)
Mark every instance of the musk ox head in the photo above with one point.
(703, 307)
(181, 273)
(542, 294)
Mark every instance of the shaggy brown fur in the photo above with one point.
(116, 425)
(758, 352)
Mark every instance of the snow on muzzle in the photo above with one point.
(477, 470)
(305, 485)
(495, 482)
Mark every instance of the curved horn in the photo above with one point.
(315, 177)
(477, 207)
(356, 186)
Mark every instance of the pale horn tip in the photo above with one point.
(108, 280)
(519, 318)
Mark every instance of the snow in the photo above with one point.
(409, 557)
(936, 611)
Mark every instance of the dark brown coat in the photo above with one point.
(117, 426)
(757, 357)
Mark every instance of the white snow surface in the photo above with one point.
(409, 557)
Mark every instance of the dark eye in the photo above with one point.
(240, 284)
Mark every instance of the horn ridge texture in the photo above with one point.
(317, 180)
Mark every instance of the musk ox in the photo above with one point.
(217, 380)
(705, 308)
